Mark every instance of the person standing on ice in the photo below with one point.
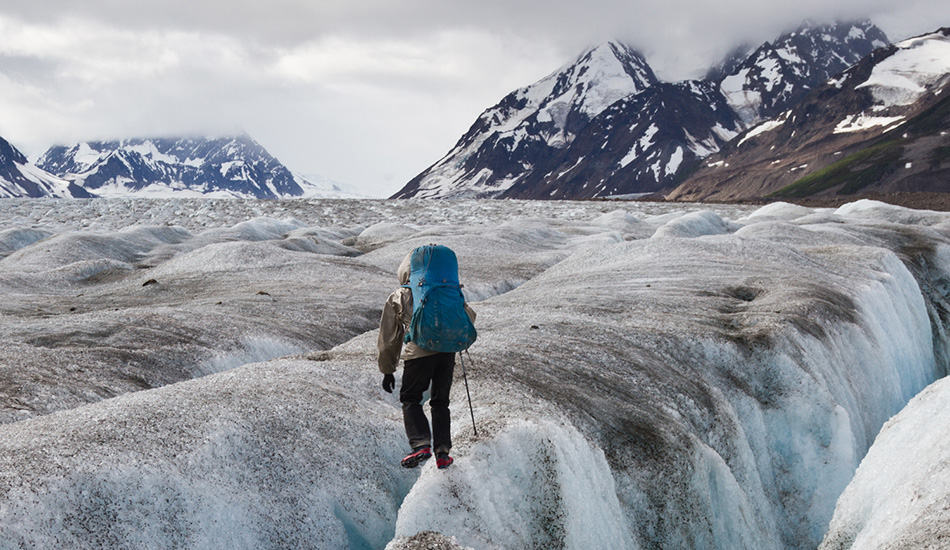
(429, 315)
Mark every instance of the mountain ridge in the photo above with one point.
(230, 166)
(692, 119)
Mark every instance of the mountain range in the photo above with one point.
(530, 125)
(830, 109)
(226, 167)
(233, 166)
(654, 136)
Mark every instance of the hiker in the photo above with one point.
(429, 357)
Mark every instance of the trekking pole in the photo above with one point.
(469, 395)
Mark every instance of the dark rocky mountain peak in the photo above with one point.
(780, 72)
(603, 125)
(532, 123)
(878, 127)
(226, 166)
(639, 145)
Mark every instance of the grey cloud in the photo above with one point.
(567, 25)
(32, 69)
(446, 61)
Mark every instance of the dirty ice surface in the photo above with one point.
(201, 374)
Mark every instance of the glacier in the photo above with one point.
(201, 373)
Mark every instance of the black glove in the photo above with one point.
(389, 382)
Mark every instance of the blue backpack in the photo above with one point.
(439, 321)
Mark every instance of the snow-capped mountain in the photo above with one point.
(881, 126)
(637, 145)
(21, 178)
(532, 124)
(650, 136)
(778, 73)
(653, 139)
(227, 167)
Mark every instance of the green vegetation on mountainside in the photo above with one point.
(851, 173)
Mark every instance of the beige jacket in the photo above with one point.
(397, 313)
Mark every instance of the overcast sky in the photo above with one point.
(368, 93)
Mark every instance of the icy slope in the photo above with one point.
(92, 314)
(645, 377)
(898, 498)
(259, 457)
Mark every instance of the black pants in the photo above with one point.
(417, 375)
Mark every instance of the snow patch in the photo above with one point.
(743, 100)
(766, 126)
(86, 156)
(860, 122)
(674, 163)
(647, 139)
(148, 150)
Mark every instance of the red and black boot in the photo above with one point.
(417, 457)
(443, 460)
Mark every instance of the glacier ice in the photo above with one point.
(201, 373)
(898, 497)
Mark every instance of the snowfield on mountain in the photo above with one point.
(202, 374)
